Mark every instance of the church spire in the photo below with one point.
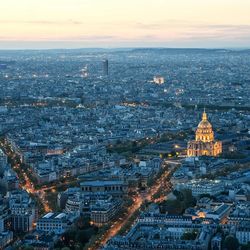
(204, 115)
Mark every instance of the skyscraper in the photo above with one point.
(105, 67)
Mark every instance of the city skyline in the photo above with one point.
(110, 24)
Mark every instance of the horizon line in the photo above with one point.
(128, 47)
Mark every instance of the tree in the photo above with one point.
(188, 199)
(26, 247)
(68, 236)
(231, 243)
(157, 236)
(78, 246)
(246, 247)
(171, 206)
(118, 141)
(83, 236)
(83, 223)
(184, 199)
(189, 235)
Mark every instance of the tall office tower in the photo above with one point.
(106, 67)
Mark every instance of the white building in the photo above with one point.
(199, 187)
(53, 222)
(158, 79)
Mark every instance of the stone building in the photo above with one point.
(204, 143)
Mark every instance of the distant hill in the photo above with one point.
(177, 50)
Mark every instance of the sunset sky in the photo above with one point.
(124, 23)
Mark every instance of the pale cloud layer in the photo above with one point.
(120, 23)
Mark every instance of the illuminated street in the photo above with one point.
(137, 202)
(27, 183)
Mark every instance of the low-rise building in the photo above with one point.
(23, 212)
(155, 231)
(56, 223)
(40, 240)
(240, 213)
(243, 233)
(104, 211)
(216, 242)
(116, 188)
(199, 187)
(219, 212)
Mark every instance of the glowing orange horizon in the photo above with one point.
(130, 21)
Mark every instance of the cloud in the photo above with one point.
(166, 23)
(142, 32)
(42, 22)
(148, 25)
(88, 38)
(228, 26)
(217, 31)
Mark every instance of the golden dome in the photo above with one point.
(204, 131)
(204, 124)
(204, 143)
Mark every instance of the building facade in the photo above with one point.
(116, 188)
(243, 233)
(23, 212)
(158, 80)
(199, 187)
(53, 222)
(104, 211)
(204, 143)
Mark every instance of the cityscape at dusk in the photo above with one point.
(125, 125)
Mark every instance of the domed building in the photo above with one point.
(204, 143)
